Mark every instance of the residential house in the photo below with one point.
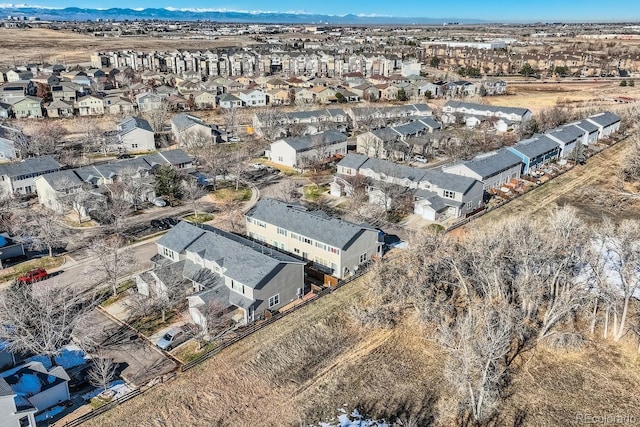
(12, 92)
(18, 177)
(607, 123)
(5, 110)
(59, 109)
(461, 88)
(568, 138)
(337, 247)
(536, 152)
(16, 410)
(437, 195)
(591, 131)
(7, 144)
(324, 95)
(375, 117)
(35, 388)
(232, 269)
(204, 99)
(279, 97)
(493, 87)
(66, 91)
(253, 98)
(432, 90)
(479, 111)
(228, 101)
(135, 134)
(299, 150)
(493, 169)
(28, 107)
(16, 75)
(189, 130)
(304, 96)
(148, 102)
(52, 188)
(118, 105)
(90, 105)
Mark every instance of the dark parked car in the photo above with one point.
(160, 224)
(124, 156)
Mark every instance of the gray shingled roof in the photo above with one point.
(567, 134)
(586, 125)
(448, 181)
(605, 119)
(37, 165)
(63, 180)
(184, 121)
(131, 123)
(302, 115)
(386, 134)
(174, 157)
(312, 224)
(308, 142)
(535, 146)
(491, 108)
(353, 161)
(5, 388)
(248, 262)
(393, 169)
(411, 128)
(489, 165)
(430, 122)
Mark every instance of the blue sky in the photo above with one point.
(492, 10)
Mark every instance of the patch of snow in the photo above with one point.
(42, 359)
(118, 386)
(353, 420)
(49, 413)
(71, 356)
(28, 385)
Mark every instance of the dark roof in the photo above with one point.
(605, 119)
(184, 121)
(174, 157)
(448, 181)
(312, 224)
(535, 146)
(248, 262)
(308, 142)
(131, 123)
(5, 388)
(31, 165)
(493, 163)
(586, 125)
(353, 161)
(386, 134)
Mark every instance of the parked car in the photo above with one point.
(257, 166)
(159, 202)
(419, 158)
(171, 222)
(33, 276)
(171, 338)
(160, 224)
(124, 156)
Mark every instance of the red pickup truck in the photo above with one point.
(33, 276)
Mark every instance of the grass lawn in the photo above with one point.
(191, 351)
(44, 262)
(200, 218)
(313, 192)
(98, 402)
(151, 324)
(122, 287)
(226, 195)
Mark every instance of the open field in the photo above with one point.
(58, 46)
(305, 367)
(538, 96)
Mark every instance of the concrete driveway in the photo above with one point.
(141, 361)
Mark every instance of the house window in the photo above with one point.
(282, 231)
(280, 159)
(363, 257)
(296, 250)
(449, 194)
(321, 246)
(307, 241)
(261, 224)
(167, 252)
(295, 236)
(274, 300)
(334, 250)
(24, 422)
(238, 287)
(134, 145)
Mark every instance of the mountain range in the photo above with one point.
(173, 14)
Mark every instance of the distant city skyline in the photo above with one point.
(493, 10)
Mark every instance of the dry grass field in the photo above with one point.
(302, 369)
(538, 96)
(60, 46)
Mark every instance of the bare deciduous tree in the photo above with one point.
(102, 372)
(40, 319)
(113, 259)
(192, 193)
(45, 230)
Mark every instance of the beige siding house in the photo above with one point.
(337, 247)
